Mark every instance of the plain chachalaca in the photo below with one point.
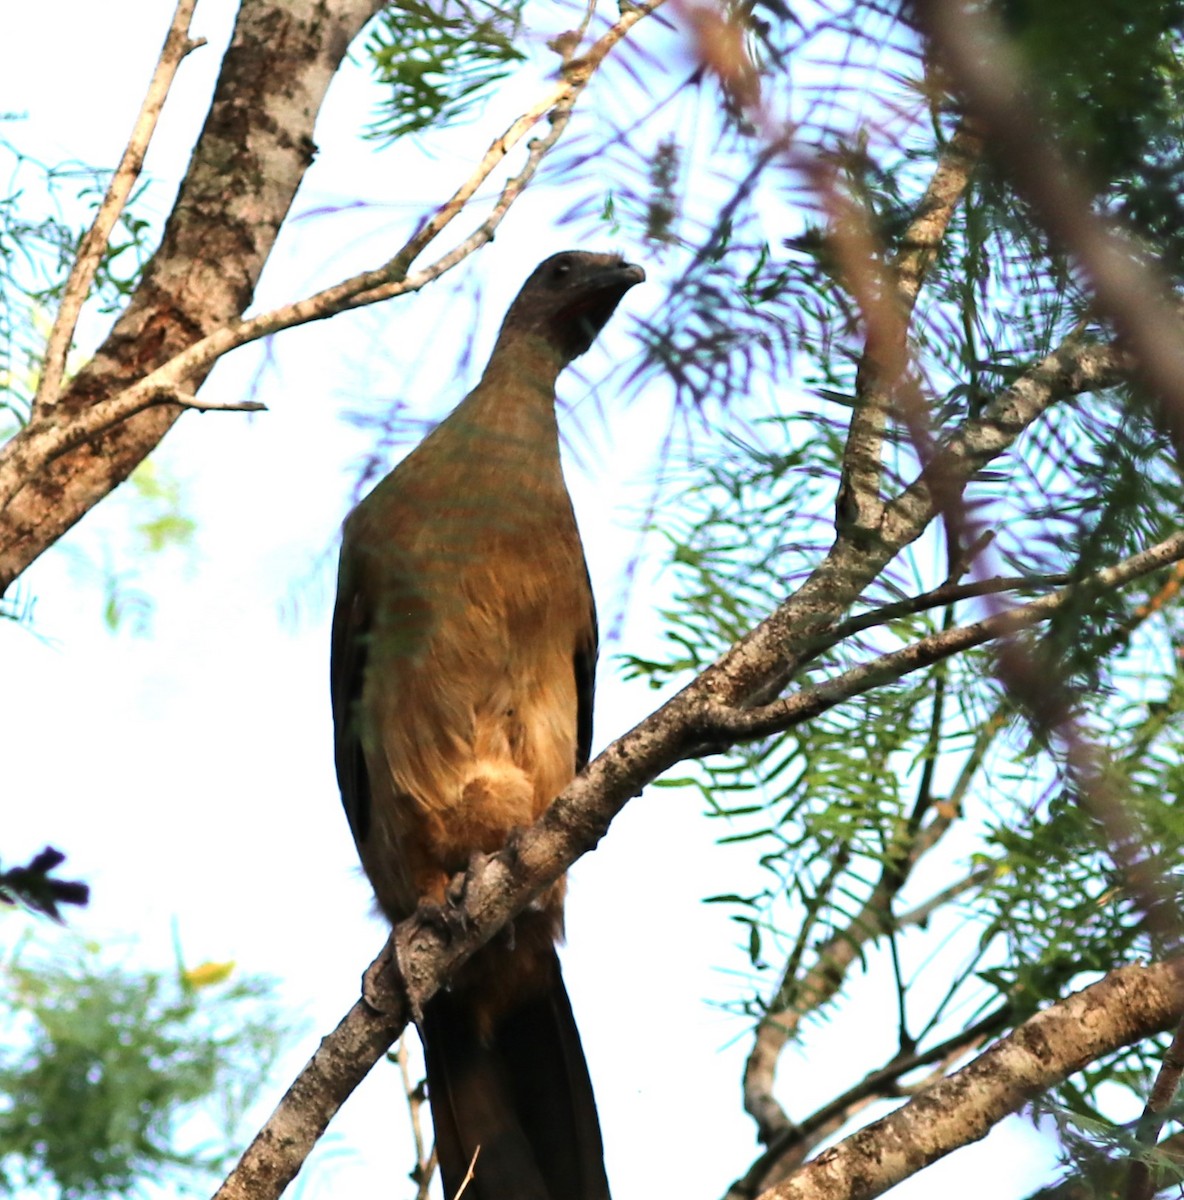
(464, 650)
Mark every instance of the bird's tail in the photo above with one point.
(512, 1087)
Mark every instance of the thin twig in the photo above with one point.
(177, 44)
(795, 999)
(1140, 1184)
(782, 1014)
(200, 404)
(727, 724)
(464, 1183)
(425, 1162)
(948, 593)
(585, 22)
(46, 437)
(923, 911)
(1168, 591)
(794, 1157)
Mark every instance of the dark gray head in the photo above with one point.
(568, 299)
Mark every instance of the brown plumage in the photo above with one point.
(464, 649)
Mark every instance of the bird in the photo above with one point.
(463, 661)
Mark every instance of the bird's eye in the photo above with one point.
(562, 268)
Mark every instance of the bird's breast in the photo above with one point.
(470, 679)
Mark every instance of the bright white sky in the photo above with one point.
(189, 774)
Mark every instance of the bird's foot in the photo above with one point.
(445, 920)
(512, 847)
(380, 981)
(431, 925)
(451, 915)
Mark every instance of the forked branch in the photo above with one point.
(177, 45)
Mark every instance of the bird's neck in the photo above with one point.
(525, 363)
(506, 429)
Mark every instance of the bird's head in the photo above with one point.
(568, 299)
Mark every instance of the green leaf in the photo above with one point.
(436, 60)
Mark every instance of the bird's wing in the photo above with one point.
(347, 670)
(585, 668)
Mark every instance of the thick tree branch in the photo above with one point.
(1127, 1006)
(177, 45)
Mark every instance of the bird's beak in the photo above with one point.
(626, 275)
(613, 281)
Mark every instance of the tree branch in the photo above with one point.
(938, 597)
(281, 59)
(1128, 1005)
(759, 665)
(787, 1153)
(1141, 1181)
(47, 437)
(794, 1000)
(724, 724)
(860, 505)
(341, 1062)
(177, 45)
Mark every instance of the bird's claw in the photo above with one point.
(454, 894)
